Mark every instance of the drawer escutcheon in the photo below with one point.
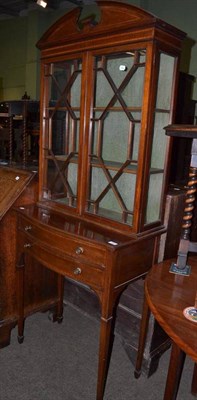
(28, 228)
(27, 245)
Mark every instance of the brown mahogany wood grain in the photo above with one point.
(122, 28)
(41, 287)
(64, 246)
(70, 232)
(167, 296)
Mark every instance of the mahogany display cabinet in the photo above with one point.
(108, 87)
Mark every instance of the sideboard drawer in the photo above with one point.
(80, 249)
(90, 274)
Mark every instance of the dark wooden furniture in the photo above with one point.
(185, 114)
(19, 186)
(166, 296)
(186, 245)
(108, 86)
(19, 131)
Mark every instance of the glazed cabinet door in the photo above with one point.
(60, 124)
(132, 101)
(116, 116)
(103, 143)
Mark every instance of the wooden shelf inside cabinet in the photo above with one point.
(63, 157)
(61, 108)
(111, 165)
(115, 109)
(108, 91)
(116, 166)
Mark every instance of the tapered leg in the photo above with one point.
(194, 381)
(20, 297)
(60, 298)
(177, 359)
(106, 341)
(142, 338)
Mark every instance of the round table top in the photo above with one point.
(168, 295)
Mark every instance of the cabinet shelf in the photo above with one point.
(110, 165)
(61, 108)
(109, 109)
(115, 109)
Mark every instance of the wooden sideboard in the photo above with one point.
(104, 260)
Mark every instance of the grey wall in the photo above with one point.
(19, 61)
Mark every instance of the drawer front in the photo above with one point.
(90, 274)
(73, 247)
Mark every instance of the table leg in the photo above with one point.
(142, 338)
(177, 359)
(194, 381)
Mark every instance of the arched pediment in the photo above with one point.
(114, 16)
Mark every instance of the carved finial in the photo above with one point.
(89, 14)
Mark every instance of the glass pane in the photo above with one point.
(162, 118)
(154, 197)
(116, 123)
(164, 90)
(62, 120)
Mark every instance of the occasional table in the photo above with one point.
(167, 295)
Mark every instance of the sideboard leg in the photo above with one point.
(20, 296)
(60, 307)
(142, 338)
(106, 342)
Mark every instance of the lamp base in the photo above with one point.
(174, 269)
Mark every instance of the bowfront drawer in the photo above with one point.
(90, 274)
(80, 249)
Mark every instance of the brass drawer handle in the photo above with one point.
(28, 228)
(27, 245)
(79, 250)
(77, 271)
